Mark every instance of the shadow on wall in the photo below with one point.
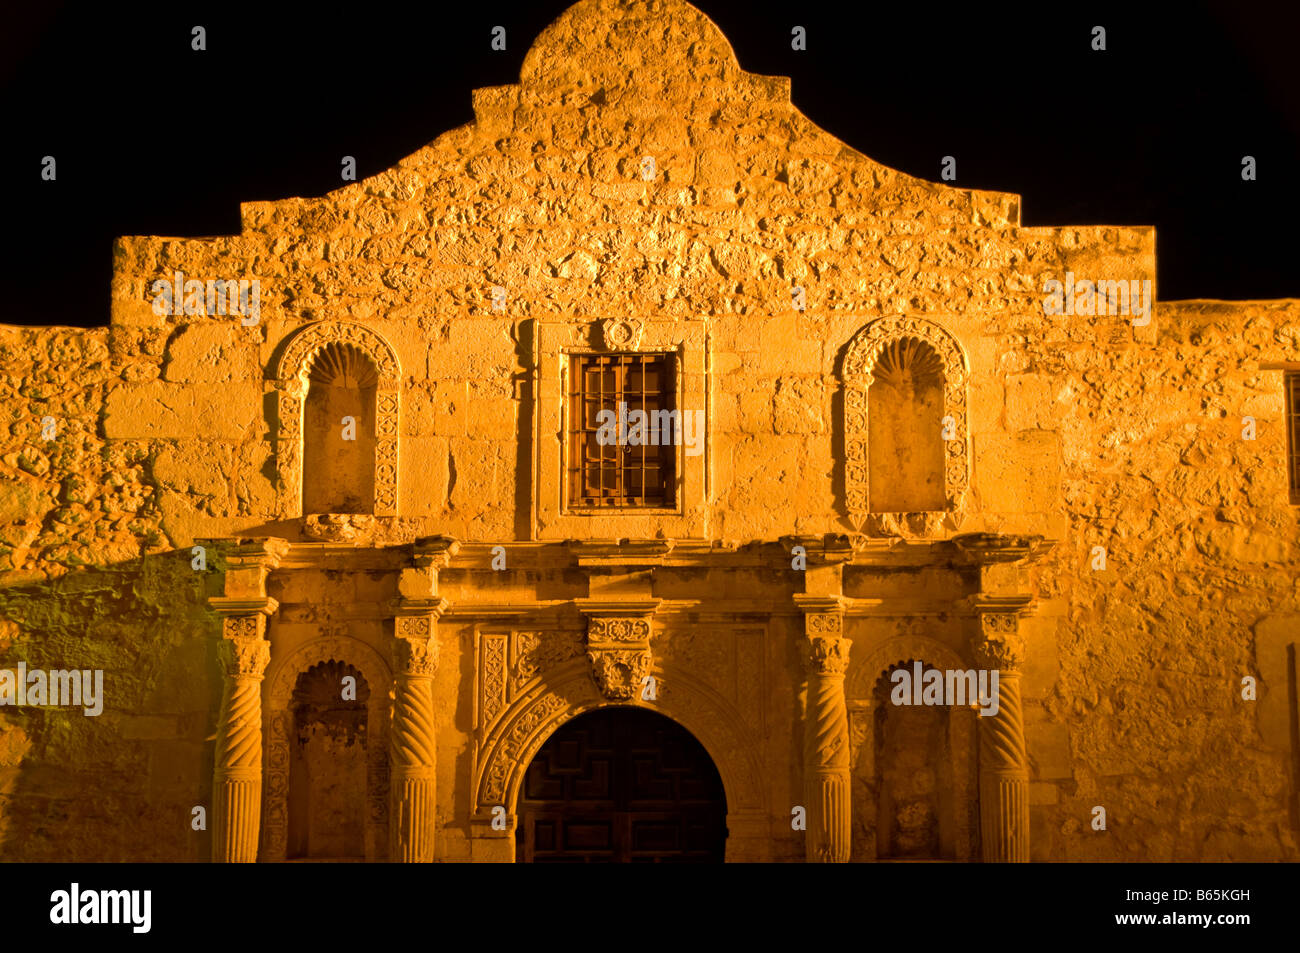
(120, 785)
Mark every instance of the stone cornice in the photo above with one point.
(601, 608)
(231, 606)
(810, 604)
(626, 552)
(828, 549)
(442, 553)
(231, 552)
(435, 607)
(435, 551)
(983, 603)
(982, 549)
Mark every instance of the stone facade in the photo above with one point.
(638, 191)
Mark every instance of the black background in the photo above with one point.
(745, 908)
(154, 138)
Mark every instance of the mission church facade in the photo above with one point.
(369, 581)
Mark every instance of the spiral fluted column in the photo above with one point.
(826, 739)
(412, 746)
(1004, 763)
(237, 778)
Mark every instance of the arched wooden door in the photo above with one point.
(621, 785)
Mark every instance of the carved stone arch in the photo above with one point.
(962, 723)
(279, 724)
(533, 717)
(902, 648)
(291, 375)
(858, 375)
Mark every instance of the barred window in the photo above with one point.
(1292, 383)
(613, 462)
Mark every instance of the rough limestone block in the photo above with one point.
(492, 418)
(1031, 402)
(418, 414)
(799, 405)
(1018, 473)
(194, 468)
(162, 410)
(209, 353)
(1050, 746)
(423, 485)
(1229, 544)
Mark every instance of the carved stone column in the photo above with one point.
(413, 745)
(1004, 764)
(412, 738)
(237, 594)
(826, 732)
(237, 778)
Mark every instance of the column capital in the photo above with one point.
(245, 657)
(997, 643)
(1004, 652)
(826, 651)
(826, 655)
(415, 648)
(415, 657)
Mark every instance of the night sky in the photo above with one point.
(153, 138)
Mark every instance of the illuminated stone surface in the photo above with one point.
(178, 430)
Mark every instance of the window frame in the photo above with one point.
(576, 465)
(555, 343)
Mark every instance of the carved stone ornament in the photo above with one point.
(291, 384)
(243, 626)
(827, 655)
(618, 630)
(338, 527)
(245, 657)
(999, 645)
(418, 657)
(823, 622)
(619, 673)
(859, 364)
(413, 627)
(998, 623)
(618, 648)
(621, 334)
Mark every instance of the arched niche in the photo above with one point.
(907, 460)
(278, 728)
(338, 432)
(348, 364)
(956, 742)
(327, 770)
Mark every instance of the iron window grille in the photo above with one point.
(619, 473)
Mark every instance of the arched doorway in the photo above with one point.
(621, 784)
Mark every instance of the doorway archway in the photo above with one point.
(621, 784)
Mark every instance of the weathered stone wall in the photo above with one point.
(1086, 430)
(1137, 689)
